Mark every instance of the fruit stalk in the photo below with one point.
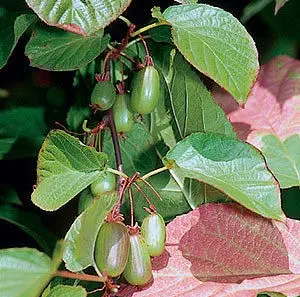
(80, 276)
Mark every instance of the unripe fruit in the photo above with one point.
(145, 90)
(106, 182)
(138, 270)
(112, 248)
(123, 116)
(103, 95)
(153, 231)
(84, 200)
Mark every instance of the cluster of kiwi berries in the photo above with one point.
(143, 98)
(127, 250)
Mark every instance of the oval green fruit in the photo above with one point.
(112, 248)
(145, 88)
(123, 116)
(103, 95)
(84, 200)
(138, 270)
(106, 182)
(153, 231)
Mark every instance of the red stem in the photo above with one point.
(84, 277)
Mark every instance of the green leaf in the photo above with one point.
(81, 17)
(24, 272)
(22, 131)
(137, 149)
(215, 43)
(193, 110)
(67, 291)
(232, 166)
(12, 28)
(283, 158)
(31, 224)
(82, 235)
(193, 106)
(57, 50)
(65, 167)
(161, 34)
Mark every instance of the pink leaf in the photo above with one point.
(273, 105)
(224, 250)
(270, 119)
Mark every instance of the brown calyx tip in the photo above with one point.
(121, 87)
(133, 230)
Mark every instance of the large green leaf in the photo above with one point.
(82, 235)
(232, 166)
(65, 167)
(31, 224)
(216, 44)
(67, 291)
(12, 27)
(81, 17)
(283, 158)
(54, 49)
(24, 272)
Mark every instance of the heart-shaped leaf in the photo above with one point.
(225, 250)
(81, 17)
(213, 41)
(65, 167)
(230, 165)
(81, 237)
(57, 50)
(25, 271)
(270, 119)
